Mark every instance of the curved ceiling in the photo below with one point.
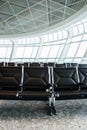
(28, 16)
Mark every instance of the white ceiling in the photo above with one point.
(28, 16)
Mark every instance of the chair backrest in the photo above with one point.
(10, 77)
(51, 64)
(20, 64)
(36, 78)
(26, 64)
(34, 64)
(60, 65)
(1, 64)
(71, 65)
(66, 78)
(83, 75)
(10, 64)
(82, 65)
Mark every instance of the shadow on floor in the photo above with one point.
(36, 109)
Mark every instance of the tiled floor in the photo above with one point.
(32, 115)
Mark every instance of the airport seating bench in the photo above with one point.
(46, 82)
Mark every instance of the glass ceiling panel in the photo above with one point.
(80, 28)
(42, 60)
(72, 50)
(5, 52)
(84, 37)
(45, 51)
(82, 49)
(5, 42)
(50, 37)
(28, 52)
(78, 38)
(60, 50)
(57, 59)
(55, 36)
(49, 47)
(34, 53)
(28, 40)
(65, 34)
(45, 38)
(60, 35)
(85, 26)
(19, 52)
(75, 30)
(78, 60)
(68, 60)
(54, 50)
(50, 60)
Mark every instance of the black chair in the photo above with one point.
(10, 64)
(83, 77)
(60, 65)
(71, 65)
(82, 65)
(10, 80)
(36, 81)
(1, 64)
(34, 64)
(66, 83)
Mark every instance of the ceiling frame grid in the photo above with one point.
(42, 14)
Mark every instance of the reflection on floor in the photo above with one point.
(27, 115)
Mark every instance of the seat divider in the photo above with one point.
(78, 79)
(21, 83)
(52, 110)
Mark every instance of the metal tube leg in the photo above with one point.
(52, 110)
(53, 106)
(50, 106)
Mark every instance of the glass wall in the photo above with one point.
(61, 46)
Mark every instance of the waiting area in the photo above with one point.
(43, 81)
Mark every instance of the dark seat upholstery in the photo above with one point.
(10, 64)
(34, 64)
(10, 78)
(65, 79)
(35, 78)
(20, 64)
(60, 65)
(82, 65)
(71, 65)
(83, 77)
(51, 64)
(26, 64)
(1, 64)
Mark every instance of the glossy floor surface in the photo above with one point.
(32, 115)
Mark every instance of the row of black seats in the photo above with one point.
(43, 83)
(42, 64)
(17, 81)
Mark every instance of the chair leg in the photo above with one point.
(52, 109)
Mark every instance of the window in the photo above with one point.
(19, 52)
(54, 50)
(82, 49)
(80, 28)
(45, 51)
(78, 38)
(75, 31)
(5, 52)
(84, 37)
(85, 25)
(72, 50)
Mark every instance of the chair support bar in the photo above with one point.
(19, 94)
